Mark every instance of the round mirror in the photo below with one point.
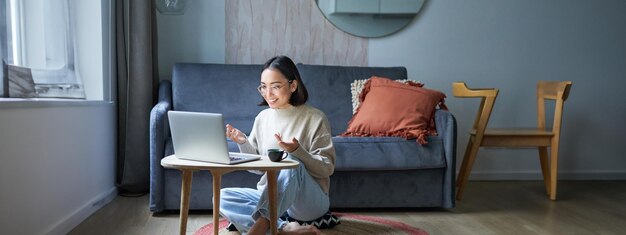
(370, 18)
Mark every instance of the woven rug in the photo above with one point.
(350, 224)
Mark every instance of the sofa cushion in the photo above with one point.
(329, 88)
(391, 108)
(375, 153)
(387, 153)
(219, 88)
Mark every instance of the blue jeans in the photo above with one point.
(298, 194)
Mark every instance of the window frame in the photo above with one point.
(99, 80)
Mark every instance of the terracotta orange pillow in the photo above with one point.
(356, 88)
(389, 108)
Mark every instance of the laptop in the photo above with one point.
(202, 137)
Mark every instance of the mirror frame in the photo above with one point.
(370, 18)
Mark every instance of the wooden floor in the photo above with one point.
(496, 207)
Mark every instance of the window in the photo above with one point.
(59, 41)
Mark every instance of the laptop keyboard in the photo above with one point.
(241, 157)
(235, 158)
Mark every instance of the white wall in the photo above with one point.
(510, 45)
(58, 164)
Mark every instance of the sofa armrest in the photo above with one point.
(159, 131)
(446, 128)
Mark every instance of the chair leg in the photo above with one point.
(464, 163)
(467, 168)
(543, 159)
(554, 159)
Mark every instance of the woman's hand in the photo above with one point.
(287, 146)
(235, 135)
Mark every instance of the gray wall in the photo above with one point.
(511, 44)
(508, 44)
(196, 36)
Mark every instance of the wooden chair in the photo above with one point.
(540, 136)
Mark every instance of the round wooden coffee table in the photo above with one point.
(217, 170)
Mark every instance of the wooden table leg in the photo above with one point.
(184, 200)
(273, 194)
(545, 167)
(217, 186)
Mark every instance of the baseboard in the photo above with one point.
(74, 219)
(536, 175)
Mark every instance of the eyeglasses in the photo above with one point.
(273, 88)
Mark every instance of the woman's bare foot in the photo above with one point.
(295, 228)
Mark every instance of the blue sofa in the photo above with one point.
(370, 172)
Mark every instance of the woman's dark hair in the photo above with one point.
(285, 65)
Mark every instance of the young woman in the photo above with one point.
(300, 130)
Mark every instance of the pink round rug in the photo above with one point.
(350, 224)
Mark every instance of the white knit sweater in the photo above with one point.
(309, 126)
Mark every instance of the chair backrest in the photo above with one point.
(488, 98)
(551, 90)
